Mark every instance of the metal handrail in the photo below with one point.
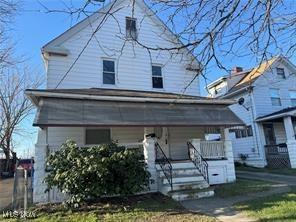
(164, 163)
(200, 163)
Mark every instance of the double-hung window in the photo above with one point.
(157, 79)
(108, 72)
(275, 97)
(97, 136)
(280, 72)
(293, 97)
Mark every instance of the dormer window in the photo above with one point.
(280, 72)
(131, 28)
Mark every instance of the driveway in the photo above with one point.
(6, 188)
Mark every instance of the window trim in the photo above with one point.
(95, 128)
(279, 97)
(133, 19)
(102, 73)
(162, 76)
(282, 76)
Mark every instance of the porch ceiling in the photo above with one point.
(74, 112)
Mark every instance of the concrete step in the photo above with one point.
(184, 186)
(182, 171)
(184, 179)
(179, 165)
(191, 194)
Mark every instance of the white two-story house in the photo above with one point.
(106, 83)
(267, 105)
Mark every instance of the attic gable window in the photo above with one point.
(157, 80)
(108, 72)
(275, 97)
(131, 28)
(280, 72)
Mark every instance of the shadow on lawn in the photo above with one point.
(281, 207)
(154, 202)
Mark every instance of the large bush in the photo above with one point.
(92, 172)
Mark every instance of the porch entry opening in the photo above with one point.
(277, 155)
(162, 135)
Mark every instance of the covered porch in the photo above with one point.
(279, 135)
(184, 140)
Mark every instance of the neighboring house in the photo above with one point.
(268, 110)
(119, 91)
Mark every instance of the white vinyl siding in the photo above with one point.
(133, 63)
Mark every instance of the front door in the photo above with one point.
(162, 135)
(269, 134)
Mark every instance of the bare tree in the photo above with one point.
(8, 9)
(212, 30)
(14, 106)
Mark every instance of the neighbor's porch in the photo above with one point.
(279, 136)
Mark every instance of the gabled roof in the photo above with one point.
(55, 44)
(253, 74)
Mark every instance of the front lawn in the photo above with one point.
(281, 207)
(241, 187)
(153, 207)
(284, 171)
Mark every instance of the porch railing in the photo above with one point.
(164, 164)
(198, 160)
(212, 149)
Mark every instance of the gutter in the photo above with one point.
(33, 94)
(275, 116)
(236, 92)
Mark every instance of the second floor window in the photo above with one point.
(108, 72)
(280, 72)
(131, 28)
(275, 97)
(293, 97)
(157, 80)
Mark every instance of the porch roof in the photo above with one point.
(54, 111)
(290, 111)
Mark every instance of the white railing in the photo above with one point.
(212, 149)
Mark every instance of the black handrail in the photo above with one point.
(164, 164)
(198, 160)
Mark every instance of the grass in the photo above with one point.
(241, 187)
(285, 171)
(153, 207)
(281, 207)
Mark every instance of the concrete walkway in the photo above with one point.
(223, 208)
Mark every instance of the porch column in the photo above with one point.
(291, 142)
(149, 155)
(39, 196)
(229, 155)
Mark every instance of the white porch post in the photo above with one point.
(229, 155)
(149, 154)
(39, 167)
(291, 142)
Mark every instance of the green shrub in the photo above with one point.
(92, 172)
